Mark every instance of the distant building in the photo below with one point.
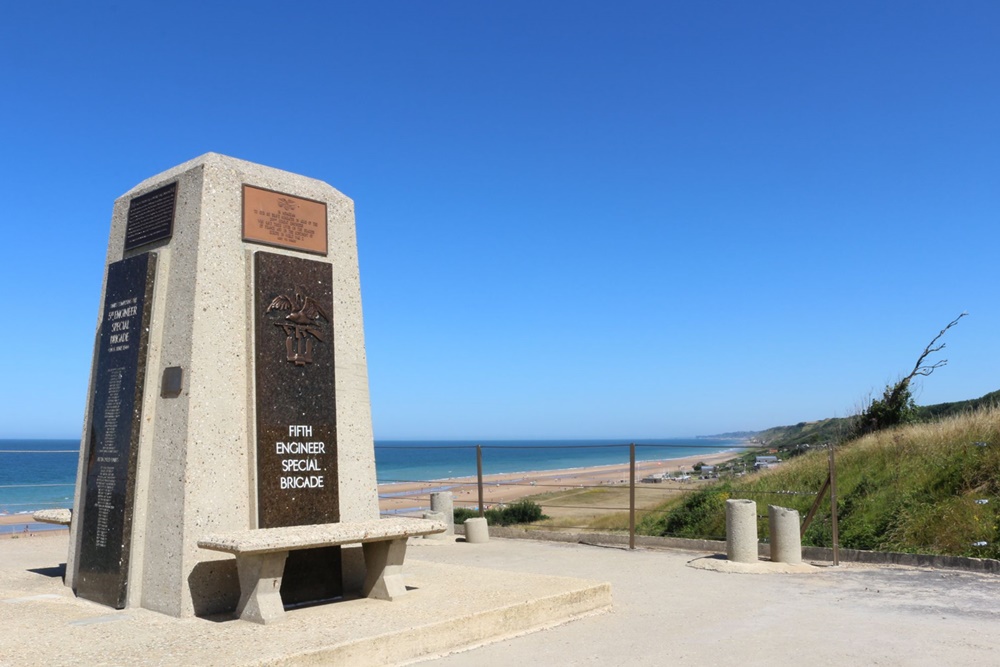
(766, 462)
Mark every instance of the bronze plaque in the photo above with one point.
(151, 217)
(278, 219)
(115, 421)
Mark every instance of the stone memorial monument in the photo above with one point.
(229, 389)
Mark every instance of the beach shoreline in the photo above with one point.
(413, 497)
(505, 488)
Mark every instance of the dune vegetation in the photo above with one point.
(930, 488)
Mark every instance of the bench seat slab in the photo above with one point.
(261, 553)
(61, 517)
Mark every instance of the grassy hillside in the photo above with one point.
(834, 429)
(941, 410)
(805, 433)
(918, 488)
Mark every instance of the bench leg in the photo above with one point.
(384, 569)
(260, 587)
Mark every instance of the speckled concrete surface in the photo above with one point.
(195, 472)
(667, 613)
(446, 606)
(263, 540)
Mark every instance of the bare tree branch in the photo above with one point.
(919, 368)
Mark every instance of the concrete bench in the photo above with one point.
(62, 517)
(260, 557)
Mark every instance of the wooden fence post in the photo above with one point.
(631, 497)
(833, 507)
(479, 478)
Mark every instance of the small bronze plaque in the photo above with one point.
(170, 386)
(274, 218)
(151, 217)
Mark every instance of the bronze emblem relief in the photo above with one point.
(301, 325)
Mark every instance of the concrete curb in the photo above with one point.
(462, 633)
(965, 563)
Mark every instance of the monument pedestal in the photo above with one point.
(229, 389)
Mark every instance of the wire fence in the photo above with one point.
(634, 489)
(639, 496)
(626, 488)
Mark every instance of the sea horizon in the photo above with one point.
(41, 473)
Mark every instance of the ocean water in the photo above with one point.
(417, 460)
(41, 474)
(37, 474)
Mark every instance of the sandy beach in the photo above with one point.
(509, 487)
(497, 489)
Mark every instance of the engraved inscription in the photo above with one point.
(279, 219)
(301, 465)
(151, 217)
(120, 316)
(107, 457)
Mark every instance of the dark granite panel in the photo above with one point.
(151, 217)
(312, 575)
(115, 421)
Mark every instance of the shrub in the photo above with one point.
(463, 513)
(523, 511)
(701, 514)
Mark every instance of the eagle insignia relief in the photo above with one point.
(301, 324)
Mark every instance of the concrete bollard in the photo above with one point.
(786, 540)
(741, 531)
(444, 502)
(476, 531)
(435, 516)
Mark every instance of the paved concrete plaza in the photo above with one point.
(665, 611)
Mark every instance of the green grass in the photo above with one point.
(912, 489)
(602, 509)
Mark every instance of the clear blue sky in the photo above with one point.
(575, 219)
